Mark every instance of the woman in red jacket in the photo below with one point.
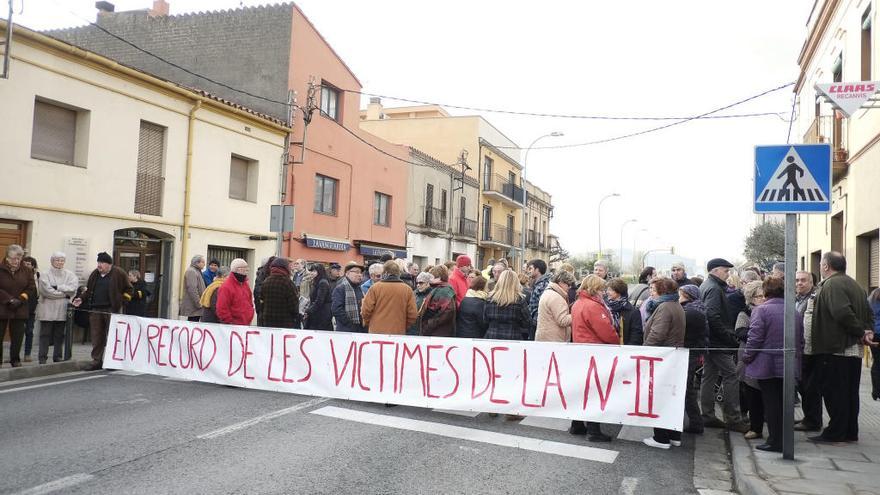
(591, 324)
(235, 302)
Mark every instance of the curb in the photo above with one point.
(49, 369)
(745, 473)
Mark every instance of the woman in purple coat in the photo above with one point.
(764, 357)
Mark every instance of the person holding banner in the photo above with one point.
(346, 299)
(696, 338)
(554, 316)
(389, 307)
(438, 311)
(470, 323)
(318, 313)
(279, 297)
(591, 324)
(665, 328)
(235, 302)
(507, 313)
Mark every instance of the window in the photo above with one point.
(150, 174)
(487, 174)
(486, 223)
(243, 179)
(866, 45)
(443, 200)
(225, 254)
(382, 209)
(325, 194)
(429, 196)
(60, 133)
(329, 101)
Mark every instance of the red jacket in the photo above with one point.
(591, 321)
(235, 303)
(459, 283)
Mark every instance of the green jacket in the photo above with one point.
(840, 316)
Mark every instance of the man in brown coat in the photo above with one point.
(389, 306)
(107, 290)
(17, 287)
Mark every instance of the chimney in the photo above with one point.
(160, 8)
(374, 109)
(104, 8)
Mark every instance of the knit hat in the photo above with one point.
(280, 263)
(716, 262)
(335, 266)
(692, 291)
(103, 257)
(463, 260)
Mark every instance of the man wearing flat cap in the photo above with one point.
(334, 276)
(720, 361)
(346, 298)
(107, 290)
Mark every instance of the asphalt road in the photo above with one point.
(108, 432)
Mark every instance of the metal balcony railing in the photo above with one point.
(498, 233)
(435, 218)
(467, 227)
(502, 185)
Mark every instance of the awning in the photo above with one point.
(369, 250)
(331, 244)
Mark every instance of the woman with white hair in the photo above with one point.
(57, 285)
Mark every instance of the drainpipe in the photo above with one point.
(187, 195)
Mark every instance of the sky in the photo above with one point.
(688, 186)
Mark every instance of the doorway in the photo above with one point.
(12, 232)
(148, 253)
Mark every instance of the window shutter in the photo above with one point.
(874, 264)
(150, 179)
(238, 179)
(54, 133)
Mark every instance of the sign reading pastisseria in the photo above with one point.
(643, 386)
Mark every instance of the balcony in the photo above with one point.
(537, 240)
(434, 219)
(498, 235)
(467, 228)
(830, 129)
(502, 189)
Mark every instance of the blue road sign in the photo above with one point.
(793, 178)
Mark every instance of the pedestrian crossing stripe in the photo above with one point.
(792, 181)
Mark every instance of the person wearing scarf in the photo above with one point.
(437, 314)
(624, 316)
(423, 288)
(665, 328)
(209, 297)
(346, 299)
(279, 298)
(56, 287)
(751, 401)
(696, 338)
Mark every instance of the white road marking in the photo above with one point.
(127, 373)
(48, 377)
(175, 379)
(259, 419)
(467, 414)
(628, 486)
(471, 434)
(548, 423)
(59, 484)
(41, 385)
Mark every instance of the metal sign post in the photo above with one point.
(281, 222)
(791, 179)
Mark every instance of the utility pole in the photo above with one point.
(7, 44)
(450, 220)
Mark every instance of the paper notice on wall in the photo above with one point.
(77, 251)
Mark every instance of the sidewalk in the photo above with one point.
(80, 356)
(839, 469)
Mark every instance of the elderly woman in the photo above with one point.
(665, 328)
(470, 322)
(554, 316)
(764, 358)
(591, 324)
(751, 402)
(626, 318)
(438, 310)
(17, 287)
(56, 287)
(423, 288)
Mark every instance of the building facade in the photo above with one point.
(493, 160)
(348, 186)
(539, 211)
(101, 157)
(440, 210)
(840, 47)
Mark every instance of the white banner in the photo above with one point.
(642, 386)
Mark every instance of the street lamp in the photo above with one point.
(612, 195)
(633, 220)
(525, 193)
(636, 238)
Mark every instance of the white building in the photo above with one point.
(100, 157)
(839, 46)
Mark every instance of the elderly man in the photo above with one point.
(410, 275)
(679, 275)
(298, 269)
(57, 285)
(810, 385)
(600, 269)
(346, 300)
(842, 324)
(235, 301)
(389, 307)
(459, 278)
(193, 286)
(107, 290)
(375, 271)
(778, 270)
(17, 287)
(720, 362)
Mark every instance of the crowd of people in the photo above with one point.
(731, 322)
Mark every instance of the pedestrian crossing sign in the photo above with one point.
(793, 178)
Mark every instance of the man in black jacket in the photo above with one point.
(720, 362)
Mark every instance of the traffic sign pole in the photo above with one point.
(789, 355)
